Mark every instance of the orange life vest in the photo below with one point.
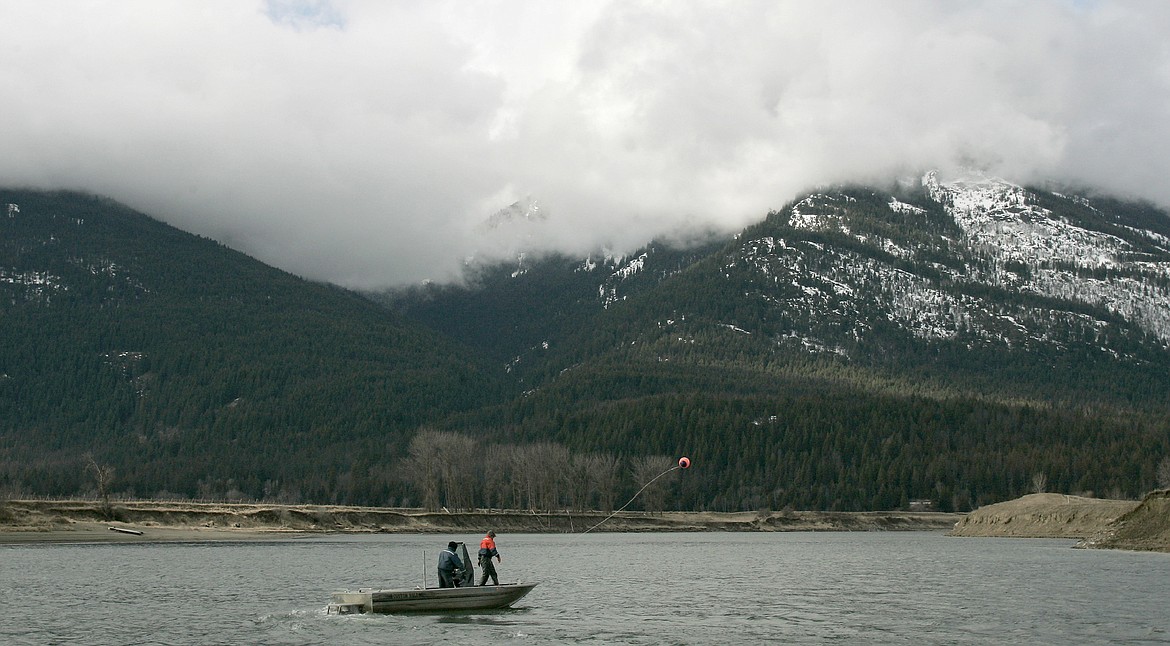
(487, 543)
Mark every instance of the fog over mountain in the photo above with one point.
(366, 143)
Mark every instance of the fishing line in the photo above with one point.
(682, 464)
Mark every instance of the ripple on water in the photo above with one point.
(601, 588)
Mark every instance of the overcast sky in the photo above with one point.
(366, 142)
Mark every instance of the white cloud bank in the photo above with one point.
(364, 142)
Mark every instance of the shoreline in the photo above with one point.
(1095, 523)
(91, 532)
(72, 521)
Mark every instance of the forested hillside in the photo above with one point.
(860, 348)
(193, 370)
(855, 350)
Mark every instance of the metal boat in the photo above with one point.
(479, 597)
(465, 596)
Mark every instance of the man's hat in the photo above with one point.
(452, 545)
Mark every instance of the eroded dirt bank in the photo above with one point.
(1043, 515)
(1145, 527)
(38, 520)
(1120, 524)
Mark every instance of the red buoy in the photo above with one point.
(684, 462)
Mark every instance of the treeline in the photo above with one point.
(456, 471)
(438, 470)
(834, 448)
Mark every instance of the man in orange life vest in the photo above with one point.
(487, 549)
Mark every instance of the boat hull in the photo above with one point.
(485, 597)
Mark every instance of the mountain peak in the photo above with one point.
(527, 209)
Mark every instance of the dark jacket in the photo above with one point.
(448, 562)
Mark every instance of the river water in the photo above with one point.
(708, 588)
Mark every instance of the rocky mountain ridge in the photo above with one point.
(976, 260)
(975, 268)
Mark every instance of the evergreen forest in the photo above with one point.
(188, 370)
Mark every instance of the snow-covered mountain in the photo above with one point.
(974, 282)
(1119, 267)
(976, 260)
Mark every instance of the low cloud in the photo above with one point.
(365, 143)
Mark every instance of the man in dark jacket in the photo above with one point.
(449, 563)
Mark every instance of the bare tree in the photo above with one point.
(496, 476)
(578, 484)
(457, 466)
(649, 473)
(562, 479)
(547, 464)
(523, 488)
(1163, 473)
(104, 477)
(1039, 482)
(602, 477)
(423, 469)
(441, 466)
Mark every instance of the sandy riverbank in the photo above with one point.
(82, 521)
